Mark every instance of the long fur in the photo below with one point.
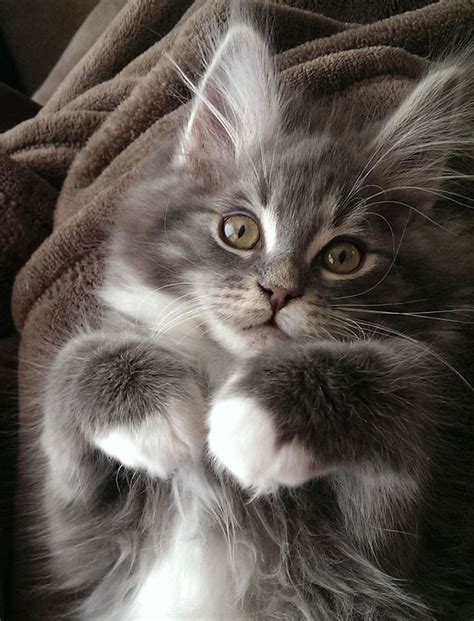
(383, 532)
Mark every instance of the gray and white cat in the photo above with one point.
(271, 418)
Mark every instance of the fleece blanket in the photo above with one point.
(62, 172)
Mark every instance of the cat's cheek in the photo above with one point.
(242, 439)
(160, 445)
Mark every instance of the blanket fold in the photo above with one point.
(27, 205)
(77, 157)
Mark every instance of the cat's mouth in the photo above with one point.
(253, 336)
(269, 326)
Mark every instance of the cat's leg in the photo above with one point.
(295, 413)
(124, 397)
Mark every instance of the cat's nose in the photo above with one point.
(279, 296)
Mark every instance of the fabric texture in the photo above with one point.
(62, 172)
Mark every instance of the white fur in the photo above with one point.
(193, 577)
(163, 314)
(242, 438)
(159, 310)
(244, 344)
(162, 443)
(433, 94)
(270, 228)
(192, 581)
(229, 80)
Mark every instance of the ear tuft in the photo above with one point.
(235, 106)
(431, 127)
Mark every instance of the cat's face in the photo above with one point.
(270, 254)
(256, 233)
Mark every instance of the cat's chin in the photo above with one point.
(246, 342)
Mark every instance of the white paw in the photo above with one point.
(161, 444)
(243, 439)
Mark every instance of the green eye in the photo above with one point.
(342, 258)
(240, 232)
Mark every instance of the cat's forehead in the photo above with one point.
(307, 170)
(302, 194)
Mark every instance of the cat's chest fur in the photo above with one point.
(192, 569)
(191, 573)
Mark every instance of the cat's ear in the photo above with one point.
(235, 106)
(417, 143)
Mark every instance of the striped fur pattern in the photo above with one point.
(201, 464)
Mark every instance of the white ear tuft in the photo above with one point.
(431, 126)
(236, 104)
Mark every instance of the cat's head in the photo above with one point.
(269, 222)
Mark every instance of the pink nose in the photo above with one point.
(279, 296)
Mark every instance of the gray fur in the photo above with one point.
(374, 381)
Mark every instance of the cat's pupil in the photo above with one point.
(241, 231)
(342, 256)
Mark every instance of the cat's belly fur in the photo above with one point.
(192, 579)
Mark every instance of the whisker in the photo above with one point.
(175, 320)
(417, 211)
(385, 303)
(417, 315)
(429, 350)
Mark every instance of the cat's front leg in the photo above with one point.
(125, 397)
(295, 413)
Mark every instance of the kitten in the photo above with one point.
(270, 420)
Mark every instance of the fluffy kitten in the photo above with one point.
(272, 418)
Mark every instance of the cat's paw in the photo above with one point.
(162, 442)
(243, 439)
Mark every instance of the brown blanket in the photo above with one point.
(79, 154)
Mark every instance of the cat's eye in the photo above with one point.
(342, 257)
(240, 232)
